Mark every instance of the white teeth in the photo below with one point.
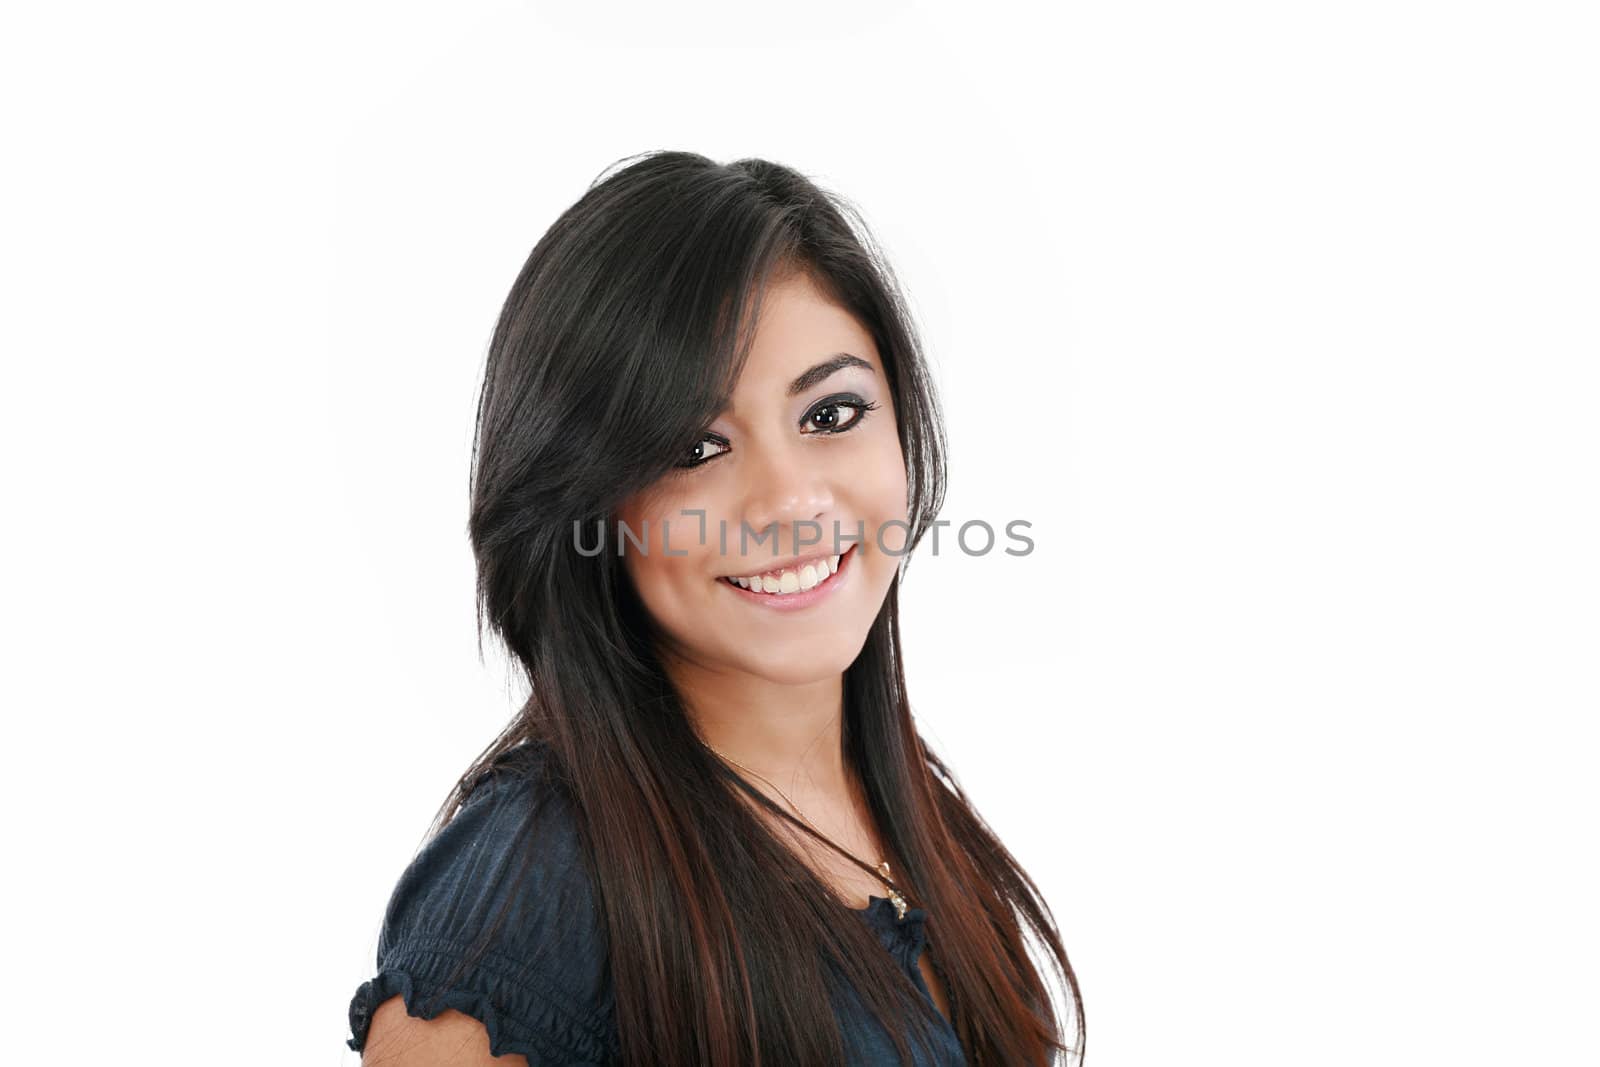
(791, 581)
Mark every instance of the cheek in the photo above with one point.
(663, 586)
(873, 490)
(670, 586)
(641, 516)
(881, 479)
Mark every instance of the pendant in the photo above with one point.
(894, 894)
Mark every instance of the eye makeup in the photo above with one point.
(852, 402)
(834, 403)
(697, 457)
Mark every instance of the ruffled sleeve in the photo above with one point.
(535, 975)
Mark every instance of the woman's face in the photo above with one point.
(809, 441)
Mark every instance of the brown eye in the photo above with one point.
(836, 414)
(704, 449)
(827, 418)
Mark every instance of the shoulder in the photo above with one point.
(514, 843)
(496, 917)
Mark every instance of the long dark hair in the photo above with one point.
(620, 340)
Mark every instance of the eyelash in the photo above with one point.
(843, 400)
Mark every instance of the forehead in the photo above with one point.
(800, 325)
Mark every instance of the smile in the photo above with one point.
(794, 579)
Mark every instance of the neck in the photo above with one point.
(790, 733)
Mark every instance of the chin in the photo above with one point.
(801, 660)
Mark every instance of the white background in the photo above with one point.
(1277, 321)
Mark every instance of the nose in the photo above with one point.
(786, 486)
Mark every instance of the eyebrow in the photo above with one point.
(835, 362)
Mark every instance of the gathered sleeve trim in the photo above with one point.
(523, 1011)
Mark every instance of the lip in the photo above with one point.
(805, 598)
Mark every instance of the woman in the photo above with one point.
(706, 442)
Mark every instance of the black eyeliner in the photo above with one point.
(846, 400)
(718, 438)
(860, 404)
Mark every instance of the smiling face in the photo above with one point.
(808, 441)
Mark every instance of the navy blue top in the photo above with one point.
(542, 989)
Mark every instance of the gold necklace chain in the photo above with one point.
(882, 869)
